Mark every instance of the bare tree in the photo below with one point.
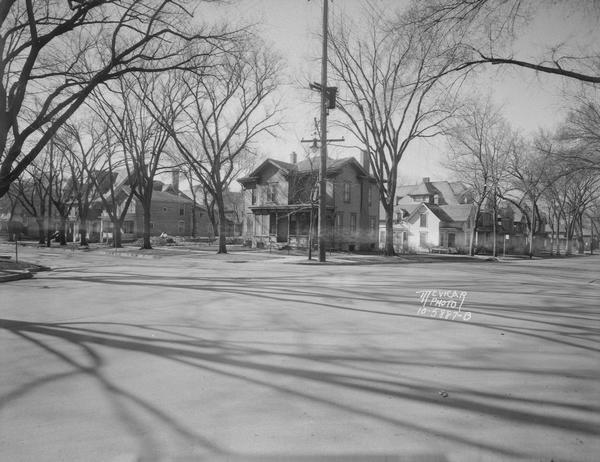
(55, 53)
(33, 191)
(580, 134)
(114, 187)
(142, 137)
(82, 143)
(481, 142)
(61, 191)
(555, 199)
(387, 78)
(480, 25)
(220, 116)
(529, 169)
(8, 206)
(583, 190)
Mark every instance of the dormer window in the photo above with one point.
(436, 199)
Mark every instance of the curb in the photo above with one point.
(15, 275)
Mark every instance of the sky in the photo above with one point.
(529, 101)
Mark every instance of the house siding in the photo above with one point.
(287, 218)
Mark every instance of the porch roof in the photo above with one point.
(264, 209)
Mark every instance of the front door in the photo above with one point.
(451, 240)
(282, 228)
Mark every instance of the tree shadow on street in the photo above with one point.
(252, 365)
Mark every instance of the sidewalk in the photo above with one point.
(10, 270)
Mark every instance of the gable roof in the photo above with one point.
(458, 212)
(449, 193)
(423, 189)
(445, 213)
(311, 164)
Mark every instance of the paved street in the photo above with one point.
(255, 357)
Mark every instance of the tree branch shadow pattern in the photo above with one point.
(248, 362)
(238, 361)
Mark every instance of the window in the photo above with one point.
(339, 222)
(423, 239)
(253, 193)
(127, 227)
(273, 223)
(181, 227)
(423, 220)
(353, 222)
(293, 224)
(372, 223)
(250, 224)
(346, 192)
(369, 195)
(303, 223)
(181, 210)
(272, 192)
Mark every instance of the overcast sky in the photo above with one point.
(529, 101)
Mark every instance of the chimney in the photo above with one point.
(426, 180)
(175, 180)
(293, 158)
(364, 160)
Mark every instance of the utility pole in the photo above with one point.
(323, 170)
(314, 141)
(50, 179)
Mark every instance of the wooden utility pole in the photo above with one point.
(314, 141)
(322, 225)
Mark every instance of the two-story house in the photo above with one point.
(281, 204)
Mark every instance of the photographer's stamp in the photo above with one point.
(443, 304)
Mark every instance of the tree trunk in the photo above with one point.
(474, 231)
(146, 204)
(62, 233)
(494, 231)
(194, 224)
(569, 234)
(558, 236)
(389, 230)
(41, 222)
(117, 237)
(83, 241)
(222, 224)
(580, 239)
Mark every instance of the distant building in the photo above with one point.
(281, 204)
(431, 215)
(172, 212)
(439, 216)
